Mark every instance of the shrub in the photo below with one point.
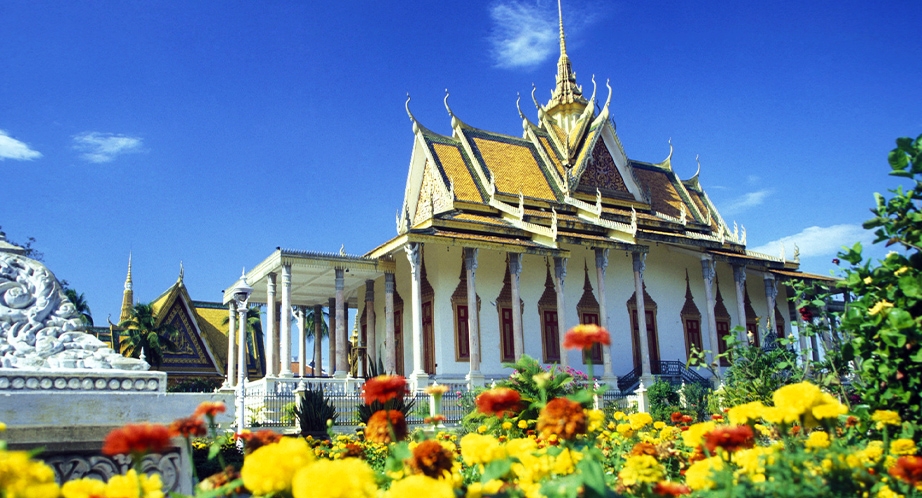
(313, 411)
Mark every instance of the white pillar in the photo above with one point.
(242, 365)
(639, 267)
(302, 342)
(601, 264)
(474, 376)
(419, 378)
(331, 310)
(771, 295)
(285, 325)
(708, 273)
(342, 366)
(739, 278)
(318, 341)
(518, 335)
(271, 346)
(231, 345)
(390, 339)
(370, 341)
(560, 275)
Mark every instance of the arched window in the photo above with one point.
(722, 319)
(691, 321)
(547, 312)
(588, 310)
(752, 320)
(460, 311)
(427, 295)
(504, 311)
(652, 340)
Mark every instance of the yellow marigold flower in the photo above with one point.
(900, 271)
(565, 462)
(478, 448)
(83, 488)
(659, 424)
(420, 485)
(698, 475)
(751, 462)
(795, 403)
(507, 425)
(868, 280)
(596, 420)
(477, 490)
(886, 417)
(902, 447)
(481, 429)
(347, 478)
(639, 420)
(886, 492)
(829, 410)
(20, 476)
(695, 433)
(271, 468)
(523, 424)
(641, 469)
(625, 430)
(520, 447)
(881, 306)
(817, 440)
(743, 414)
(619, 416)
(126, 486)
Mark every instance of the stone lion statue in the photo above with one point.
(41, 329)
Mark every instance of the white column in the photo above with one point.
(601, 264)
(302, 342)
(639, 266)
(560, 275)
(708, 273)
(242, 365)
(271, 346)
(318, 340)
(771, 295)
(474, 376)
(390, 339)
(419, 377)
(285, 325)
(331, 310)
(342, 366)
(518, 335)
(739, 278)
(370, 341)
(231, 345)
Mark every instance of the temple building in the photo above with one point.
(503, 243)
(202, 345)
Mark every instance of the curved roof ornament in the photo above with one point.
(409, 113)
(446, 104)
(608, 100)
(592, 98)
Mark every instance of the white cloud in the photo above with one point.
(99, 147)
(10, 148)
(746, 201)
(818, 241)
(524, 35)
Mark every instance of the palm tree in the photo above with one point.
(309, 333)
(80, 305)
(141, 333)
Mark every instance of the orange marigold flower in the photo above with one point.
(729, 438)
(562, 418)
(432, 459)
(851, 421)
(210, 409)
(353, 451)
(585, 336)
(643, 448)
(254, 440)
(908, 468)
(137, 439)
(377, 430)
(384, 388)
(676, 417)
(498, 401)
(669, 488)
(189, 427)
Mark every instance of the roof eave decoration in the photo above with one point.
(515, 216)
(592, 213)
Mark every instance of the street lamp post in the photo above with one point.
(241, 293)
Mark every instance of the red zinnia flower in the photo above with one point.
(676, 417)
(432, 459)
(908, 468)
(189, 427)
(384, 388)
(137, 439)
(562, 417)
(498, 401)
(729, 438)
(258, 439)
(669, 488)
(585, 336)
(210, 409)
(379, 431)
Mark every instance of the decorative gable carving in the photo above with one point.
(602, 173)
(433, 196)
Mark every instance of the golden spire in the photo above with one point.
(128, 296)
(567, 91)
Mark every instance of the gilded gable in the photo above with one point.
(433, 197)
(602, 172)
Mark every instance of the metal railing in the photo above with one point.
(671, 371)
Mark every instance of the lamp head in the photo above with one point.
(242, 290)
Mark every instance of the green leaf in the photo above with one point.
(910, 286)
(213, 450)
(593, 477)
(897, 159)
(496, 469)
(900, 319)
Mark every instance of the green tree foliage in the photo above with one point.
(80, 304)
(142, 333)
(884, 319)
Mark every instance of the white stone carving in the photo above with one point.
(41, 329)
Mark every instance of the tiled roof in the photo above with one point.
(552, 153)
(514, 167)
(663, 196)
(457, 171)
(214, 330)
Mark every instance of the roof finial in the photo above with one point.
(128, 277)
(182, 270)
(563, 43)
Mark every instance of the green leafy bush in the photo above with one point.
(313, 411)
(664, 400)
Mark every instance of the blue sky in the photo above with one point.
(212, 132)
